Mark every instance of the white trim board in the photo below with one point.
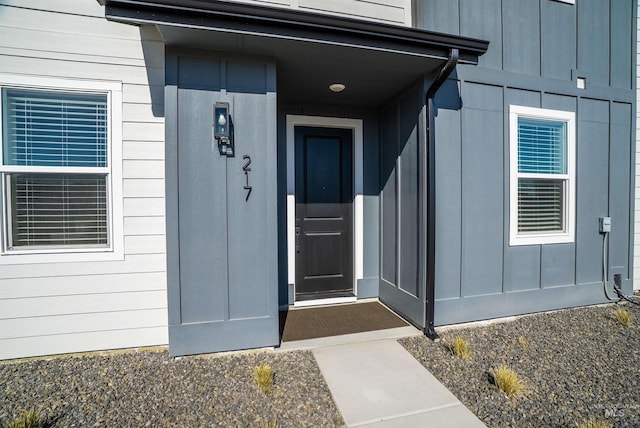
(569, 202)
(324, 302)
(113, 90)
(358, 213)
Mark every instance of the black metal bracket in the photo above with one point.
(431, 333)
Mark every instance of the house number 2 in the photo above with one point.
(246, 169)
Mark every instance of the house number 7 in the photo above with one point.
(246, 169)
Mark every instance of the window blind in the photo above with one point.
(540, 205)
(542, 148)
(55, 129)
(60, 130)
(58, 210)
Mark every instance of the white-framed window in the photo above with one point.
(542, 175)
(60, 169)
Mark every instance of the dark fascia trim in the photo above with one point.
(148, 11)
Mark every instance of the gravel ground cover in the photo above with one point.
(148, 388)
(576, 364)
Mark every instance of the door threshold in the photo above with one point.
(328, 301)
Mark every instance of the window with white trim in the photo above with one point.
(56, 167)
(542, 176)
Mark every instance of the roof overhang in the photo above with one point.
(312, 50)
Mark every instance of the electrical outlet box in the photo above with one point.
(617, 281)
(605, 224)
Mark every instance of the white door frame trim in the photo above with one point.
(358, 241)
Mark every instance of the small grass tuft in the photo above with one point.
(273, 423)
(523, 342)
(27, 419)
(593, 423)
(507, 381)
(622, 316)
(263, 375)
(460, 347)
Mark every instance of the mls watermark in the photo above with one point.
(619, 410)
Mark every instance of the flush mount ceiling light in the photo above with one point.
(337, 87)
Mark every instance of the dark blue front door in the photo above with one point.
(324, 213)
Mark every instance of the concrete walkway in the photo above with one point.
(379, 384)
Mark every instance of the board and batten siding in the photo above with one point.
(537, 51)
(83, 306)
(396, 12)
(636, 242)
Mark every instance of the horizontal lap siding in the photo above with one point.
(389, 11)
(73, 307)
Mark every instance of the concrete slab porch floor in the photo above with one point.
(377, 383)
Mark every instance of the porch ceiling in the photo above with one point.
(306, 69)
(373, 60)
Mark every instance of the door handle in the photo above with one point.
(297, 239)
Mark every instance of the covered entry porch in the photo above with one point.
(324, 195)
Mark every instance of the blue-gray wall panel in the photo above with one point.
(368, 287)
(246, 77)
(521, 268)
(592, 187)
(371, 238)
(371, 200)
(171, 195)
(537, 49)
(622, 14)
(408, 114)
(285, 290)
(203, 217)
(521, 98)
(521, 264)
(403, 133)
(199, 73)
(521, 36)
(448, 191)
(559, 102)
(505, 304)
(246, 229)
(619, 185)
(482, 189)
(389, 207)
(215, 302)
(558, 39)
(593, 42)
(558, 261)
(439, 15)
(482, 19)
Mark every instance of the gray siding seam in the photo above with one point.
(620, 98)
(460, 252)
(502, 34)
(51, 11)
(85, 332)
(487, 76)
(398, 175)
(505, 190)
(540, 45)
(577, 59)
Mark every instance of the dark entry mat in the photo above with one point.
(311, 323)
